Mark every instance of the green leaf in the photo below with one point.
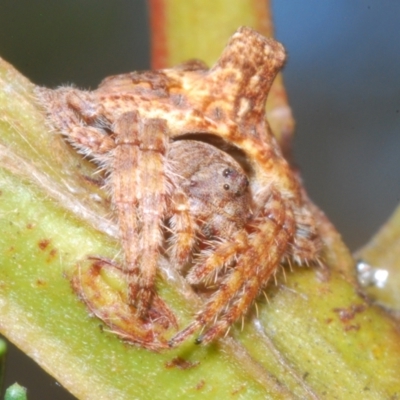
(15, 392)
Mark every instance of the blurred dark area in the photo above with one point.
(342, 78)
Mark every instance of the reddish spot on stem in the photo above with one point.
(181, 363)
(52, 254)
(200, 385)
(347, 314)
(43, 244)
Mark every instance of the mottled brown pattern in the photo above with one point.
(181, 363)
(190, 148)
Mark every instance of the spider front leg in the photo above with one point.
(73, 113)
(139, 186)
(183, 229)
(268, 237)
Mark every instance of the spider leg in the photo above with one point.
(71, 114)
(306, 241)
(220, 302)
(223, 254)
(253, 281)
(184, 229)
(272, 231)
(152, 200)
(124, 182)
(247, 295)
(139, 187)
(90, 141)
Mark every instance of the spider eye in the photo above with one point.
(226, 172)
(226, 186)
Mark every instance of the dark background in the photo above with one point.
(342, 77)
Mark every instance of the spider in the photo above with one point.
(210, 201)
(139, 127)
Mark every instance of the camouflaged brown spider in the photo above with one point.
(132, 125)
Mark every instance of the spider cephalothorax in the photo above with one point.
(138, 125)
